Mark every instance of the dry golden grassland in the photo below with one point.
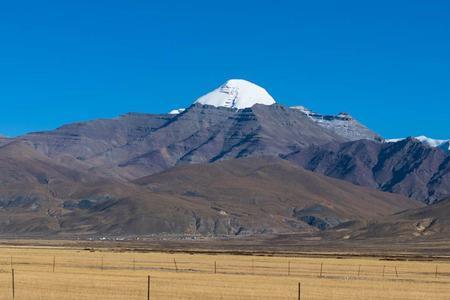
(82, 274)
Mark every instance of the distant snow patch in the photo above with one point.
(176, 111)
(434, 143)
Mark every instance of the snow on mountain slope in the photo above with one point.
(393, 140)
(442, 144)
(176, 111)
(238, 94)
(431, 142)
(434, 143)
(343, 124)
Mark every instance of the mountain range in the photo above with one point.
(234, 162)
(407, 167)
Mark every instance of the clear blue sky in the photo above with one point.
(385, 62)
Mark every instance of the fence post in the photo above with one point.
(13, 284)
(436, 272)
(175, 263)
(359, 270)
(299, 290)
(134, 264)
(384, 267)
(396, 272)
(321, 269)
(102, 263)
(11, 261)
(148, 287)
(289, 268)
(54, 263)
(215, 267)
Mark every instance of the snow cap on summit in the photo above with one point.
(237, 93)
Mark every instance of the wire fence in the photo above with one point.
(250, 266)
(105, 276)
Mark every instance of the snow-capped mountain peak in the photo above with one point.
(238, 94)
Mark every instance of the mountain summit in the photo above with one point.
(238, 94)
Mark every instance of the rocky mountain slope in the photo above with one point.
(408, 167)
(40, 197)
(136, 145)
(275, 189)
(434, 143)
(343, 124)
(428, 223)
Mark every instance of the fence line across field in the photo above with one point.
(290, 267)
(150, 286)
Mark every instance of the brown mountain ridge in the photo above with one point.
(40, 197)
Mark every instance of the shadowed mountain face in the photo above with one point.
(136, 145)
(264, 190)
(41, 197)
(407, 167)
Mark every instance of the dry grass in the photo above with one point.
(79, 275)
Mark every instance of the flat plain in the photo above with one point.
(69, 273)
